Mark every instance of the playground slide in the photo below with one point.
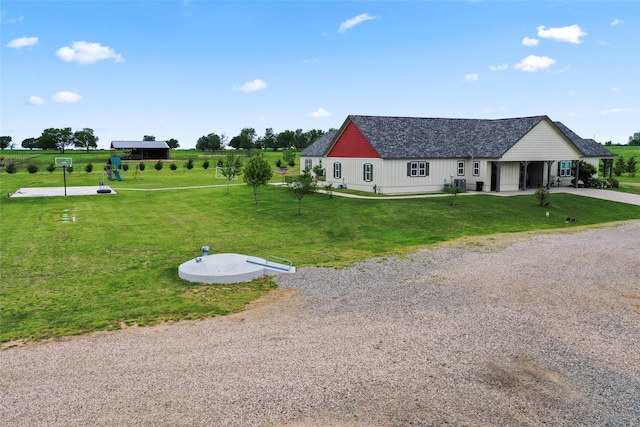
(117, 175)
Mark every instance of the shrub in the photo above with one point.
(125, 167)
(279, 164)
(11, 168)
(189, 164)
(70, 169)
(172, 166)
(88, 168)
(141, 166)
(32, 168)
(220, 163)
(158, 166)
(205, 164)
(542, 196)
(51, 167)
(292, 163)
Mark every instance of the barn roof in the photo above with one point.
(126, 145)
(417, 137)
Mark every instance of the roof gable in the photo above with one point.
(352, 143)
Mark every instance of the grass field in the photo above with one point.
(117, 263)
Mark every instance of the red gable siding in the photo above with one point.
(352, 143)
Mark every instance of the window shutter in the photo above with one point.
(409, 169)
(371, 172)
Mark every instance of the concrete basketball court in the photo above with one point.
(87, 190)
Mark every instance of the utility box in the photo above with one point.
(479, 185)
(462, 183)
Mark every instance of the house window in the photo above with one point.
(476, 168)
(307, 164)
(461, 168)
(416, 169)
(564, 168)
(337, 170)
(368, 172)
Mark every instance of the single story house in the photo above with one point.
(143, 150)
(400, 155)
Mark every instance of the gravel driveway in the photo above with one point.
(533, 329)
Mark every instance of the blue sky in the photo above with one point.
(183, 69)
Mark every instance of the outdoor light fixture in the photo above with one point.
(205, 250)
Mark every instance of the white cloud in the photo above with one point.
(319, 113)
(530, 42)
(350, 23)
(35, 100)
(617, 22)
(534, 63)
(471, 77)
(87, 53)
(252, 86)
(67, 97)
(501, 67)
(570, 34)
(23, 42)
(615, 111)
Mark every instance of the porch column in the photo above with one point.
(525, 175)
(498, 166)
(549, 163)
(577, 172)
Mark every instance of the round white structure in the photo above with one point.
(228, 268)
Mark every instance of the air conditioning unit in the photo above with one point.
(462, 183)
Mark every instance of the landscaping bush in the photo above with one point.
(220, 163)
(279, 164)
(11, 168)
(292, 163)
(88, 168)
(543, 196)
(32, 168)
(70, 169)
(172, 166)
(51, 167)
(158, 166)
(125, 167)
(205, 165)
(189, 164)
(141, 166)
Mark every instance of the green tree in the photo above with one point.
(85, 139)
(148, 138)
(231, 167)
(209, 142)
(302, 185)
(635, 139)
(30, 143)
(55, 139)
(285, 139)
(631, 166)
(247, 138)
(257, 172)
(289, 156)
(173, 143)
(269, 140)
(4, 142)
(585, 173)
(620, 166)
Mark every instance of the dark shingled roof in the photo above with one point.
(414, 137)
(320, 145)
(419, 138)
(588, 147)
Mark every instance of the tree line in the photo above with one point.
(63, 138)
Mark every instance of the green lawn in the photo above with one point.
(118, 262)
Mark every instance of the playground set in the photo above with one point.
(113, 168)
